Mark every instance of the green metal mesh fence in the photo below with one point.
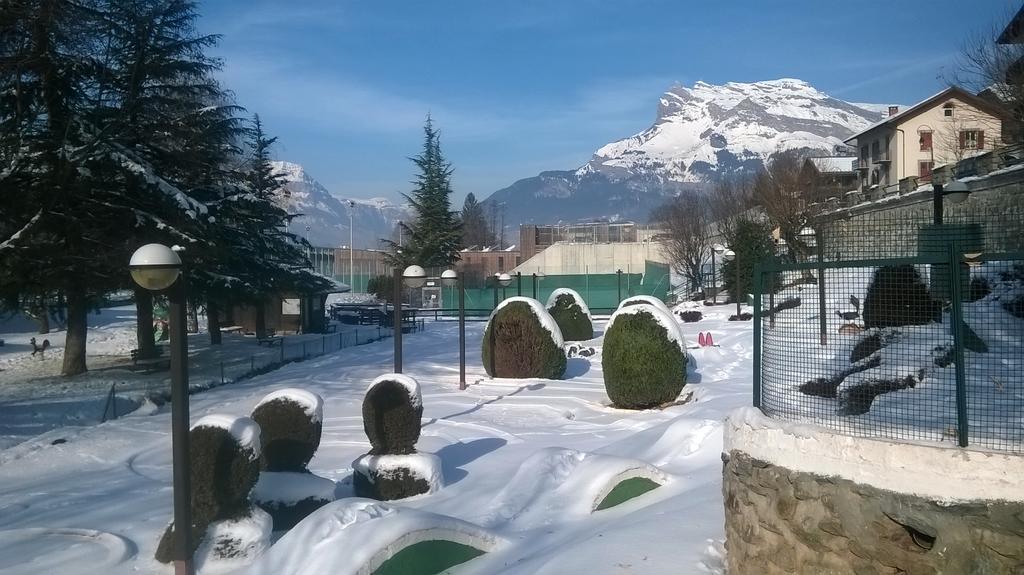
(925, 344)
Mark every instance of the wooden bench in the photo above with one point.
(150, 364)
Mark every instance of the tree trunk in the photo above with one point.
(193, 316)
(144, 337)
(261, 320)
(213, 321)
(44, 317)
(74, 343)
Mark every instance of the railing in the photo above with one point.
(924, 348)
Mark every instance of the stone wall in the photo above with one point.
(802, 499)
(781, 521)
(887, 227)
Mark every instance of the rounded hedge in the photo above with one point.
(643, 367)
(222, 475)
(645, 300)
(897, 297)
(391, 419)
(571, 318)
(523, 347)
(288, 434)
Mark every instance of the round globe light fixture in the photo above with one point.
(414, 276)
(504, 280)
(449, 277)
(155, 267)
(728, 255)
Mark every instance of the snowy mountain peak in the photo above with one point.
(700, 134)
(327, 216)
(707, 130)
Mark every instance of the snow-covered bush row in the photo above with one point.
(643, 357)
(522, 340)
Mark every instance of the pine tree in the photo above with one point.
(433, 239)
(475, 231)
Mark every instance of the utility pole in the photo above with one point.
(351, 246)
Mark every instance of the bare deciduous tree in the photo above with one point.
(781, 191)
(995, 71)
(686, 237)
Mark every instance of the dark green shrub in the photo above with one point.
(745, 316)
(642, 366)
(571, 319)
(289, 437)
(523, 348)
(391, 418)
(690, 316)
(898, 297)
(222, 475)
(398, 484)
(979, 289)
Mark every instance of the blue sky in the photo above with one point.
(518, 87)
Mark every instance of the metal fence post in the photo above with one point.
(957, 323)
(758, 288)
(822, 324)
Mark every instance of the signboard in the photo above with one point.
(290, 306)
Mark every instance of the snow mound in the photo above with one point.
(231, 544)
(312, 403)
(243, 429)
(289, 487)
(425, 466)
(575, 296)
(355, 536)
(540, 311)
(662, 317)
(649, 300)
(411, 386)
(563, 484)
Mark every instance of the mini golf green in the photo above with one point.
(626, 490)
(428, 558)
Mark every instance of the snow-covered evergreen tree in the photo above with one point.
(432, 240)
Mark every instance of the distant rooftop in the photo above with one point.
(834, 164)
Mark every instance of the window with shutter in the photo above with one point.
(981, 139)
(924, 170)
(926, 141)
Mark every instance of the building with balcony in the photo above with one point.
(944, 129)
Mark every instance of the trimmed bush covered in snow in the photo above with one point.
(897, 297)
(643, 357)
(392, 409)
(392, 469)
(290, 424)
(527, 341)
(224, 456)
(571, 314)
(690, 315)
(645, 299)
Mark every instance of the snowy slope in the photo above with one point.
(701, 133)
(328, 216)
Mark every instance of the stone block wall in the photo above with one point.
(888, 227)
(780, 521)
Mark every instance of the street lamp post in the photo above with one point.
(730, 256)
(449, 278)
(156, 267)
(351, 246)
(504, 280)
(519, 284)
(415, 277)
(715, 249)
(956, 191)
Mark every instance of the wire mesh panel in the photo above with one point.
(922, 348)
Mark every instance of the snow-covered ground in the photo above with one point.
(34, 398)
(99, 501)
